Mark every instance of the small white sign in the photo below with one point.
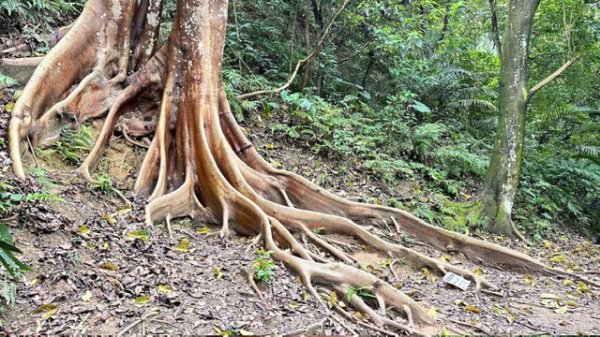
(456, 280)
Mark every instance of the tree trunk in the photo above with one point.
(201, 165)
(505, 164)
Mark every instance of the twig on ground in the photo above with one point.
(134, 142)
(78, 329)
(249, 274)
(476, 327)
(33, 152)
(134, 324)
(309, 330)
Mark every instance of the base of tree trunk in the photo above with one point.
(201, 165)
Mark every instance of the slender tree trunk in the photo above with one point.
(505, 165)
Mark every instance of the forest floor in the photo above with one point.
(97, 269)
(94, 272)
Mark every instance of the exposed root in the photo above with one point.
(133, 142)
(22, 62)
(249, 274)
(201, 165)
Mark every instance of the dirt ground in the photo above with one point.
(96, 272)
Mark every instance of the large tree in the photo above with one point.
(200, 164)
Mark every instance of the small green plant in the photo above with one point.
(43, 196)
(8, 199)
(41, 176)
(73, 144)
(263, 265)
(8, 291)
(363, 292)
(104, 184)
(7, 249)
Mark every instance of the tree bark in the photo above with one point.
(507, 155)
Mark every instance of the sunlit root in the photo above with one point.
(79, 78)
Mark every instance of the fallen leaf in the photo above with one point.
(550, 296)
(217, 273)
(529, 279)
(360, 316)
(548, 244)
(527, 310)
(164, 289)
(203, 230)
(183, 246)
(44, 307)
(572, 303)
(550, 300)
(460, 302)
(141, 234)
(49, 313)
(333, 300)
(445, 258)
(124, 211)
(142, 300)
(293, 305)
(432, 312)
(478, 271)
(561, 310)
(87, 296)
(84, 230)
(568, 283)
(582, 287)
(557, 259)
(109, 218)
(109, 266)
(385, 263)
(429, 276)
(473, 309)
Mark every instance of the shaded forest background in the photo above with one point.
(406, 92)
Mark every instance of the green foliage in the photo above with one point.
(41, 176)
(263, 265)
(104, 183)
(30, 8)
(8, 199)
(73, 144)
(365, 293)
(7, 250)
(407, 91)
(6, 81)
(417, 98)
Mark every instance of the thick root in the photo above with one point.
(94, 55)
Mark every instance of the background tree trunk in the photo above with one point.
(505, 164)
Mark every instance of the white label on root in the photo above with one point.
(456, 280)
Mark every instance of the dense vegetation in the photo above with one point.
(410, 89)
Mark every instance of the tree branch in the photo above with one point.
(495, 30)
(551, 77)
(300, 62)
